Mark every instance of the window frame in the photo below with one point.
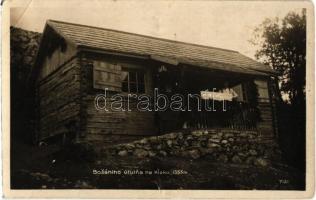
(263, 89)
(137, 71)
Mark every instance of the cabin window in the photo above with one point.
(133, 80)
(262, 89)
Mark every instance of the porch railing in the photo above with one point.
(237, 116)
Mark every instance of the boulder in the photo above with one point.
(231, 139)
(123, 153)
(163, 153)
(129, 146)
(180, 136)
(144, 141)
(189, 137)
(261, 162)
(197, 133)
(211, 140)
(151, 154)
(171, 135)
(169, 143)
(224, 141)
(212, 145)
(215, 137)
(253, 152)
(139, 145)
(241, 155)
(147, 147)
(195, 154)
(140, 153)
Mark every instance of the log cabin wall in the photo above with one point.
(59, 100)
(266, 124)
(111, 126)
(58, 84)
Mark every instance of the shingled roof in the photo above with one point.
(135, 44)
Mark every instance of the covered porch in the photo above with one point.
(239, 113)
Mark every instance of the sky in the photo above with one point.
(225, 24)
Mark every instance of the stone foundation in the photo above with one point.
(227, 146)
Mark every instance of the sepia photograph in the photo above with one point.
(160, 95)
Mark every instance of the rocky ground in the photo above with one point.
(163, 173)
(137, 168)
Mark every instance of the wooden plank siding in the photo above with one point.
(266, 126)
(103, 125)
(58, 57)
(59, 100)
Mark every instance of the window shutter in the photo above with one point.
(107, 75)
(262, 90)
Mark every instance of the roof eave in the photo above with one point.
(271, 72)
(84, 48)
